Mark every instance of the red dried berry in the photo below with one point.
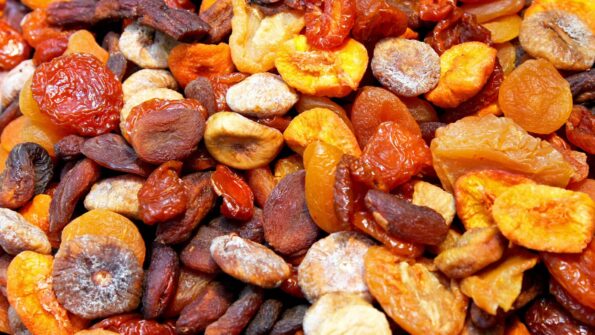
(238, 199)
(163, 196)
(13, 48)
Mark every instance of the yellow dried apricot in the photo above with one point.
(287, 165)
(29, 291)
(506, 56)
(83, 41)
(312, 71)
(584, 9)
(307, 102)
(3, 158)
(464, 70)
(504, 29)
(324, 125)
(500, 285)
(545, 218)
(24, 130)
(102, 222)
(536, 97)
(476, 191)
(190, 61)
(37, 212)
(30, 108)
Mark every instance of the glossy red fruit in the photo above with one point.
(328, 22)
(238, 199)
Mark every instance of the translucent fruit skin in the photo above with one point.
(13, 48)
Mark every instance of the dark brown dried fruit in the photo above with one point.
(180, 24)
(417, 224)
(73, 186)
(133, 324)
(288, 227)
(580, 128)
(457, 28)
(69, 147)
(97, 276)
(291, 321)
(112, 152)
(582, 86)
(266, 317)
(577, 310)
(118, 64)
(163, 196)
(291, 285)
(201, 89)
(189, 287)
(200, 159)
(546, 317)
(201, 199)
(161, 281)
(28, 171)
(111, 42)
(428, 130)
(482, 319)
(13, 13)
(206, 309)
(377, 19)
(218, 16)
(262, 183)
(8, 114)
(238, 315)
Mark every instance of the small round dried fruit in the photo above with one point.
(190, 61)
(238, 198)
(329, 22)
(545, 218)
(17, 234)
(97, 276)
(79, 93)
(560, 37)
(406, 67)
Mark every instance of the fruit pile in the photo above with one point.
(297, 167)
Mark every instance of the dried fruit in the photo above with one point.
(217, 15)
(261, 182)
(547, 219)
(421, 110)
(69, 148)
(248, 261)
(434, 197)
(146, 47)
(111, 151)
(329, 22)
(239, 142)
(16, 325)
(265, 318)
(476, 249)
(13, 48)
(487, 11)
(348, 195)
(498, 143)
(203, 90)
(189, 61)
(101, 222)
(37, 212)
(288, 226)
(99, 269)
(582, 8)
(189, 286)
(580, 129)
(319, 274)
(464, 70)
(83, 41)
(548, 318)
(255, 38)
(238, 314)
(238, 199)
(578, 160)
(163, 196)
(160, 281)
(414, 296)
(332, 73)
(393, 63)
(291, 321)
(28, 170)
(504, 29)
(476, 191)
(133, 324)
(457, 28)
(261, 95)
(116, 194)
(209, 306)
(328, 304)
(18, 235)
(377, 19)
(578, 311)
(14, 81)
(140, 97)
(23, 130)
(95, 332)
(145, 79)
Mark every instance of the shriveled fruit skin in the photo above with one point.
(504, 28)
(163, 195)
(17, 234)
(536, 97)
(189, 61)
(413, 296)
(487, 11)
(376, 19)
(13, 48)
(238, 199)
(134, 324)
(579, 311)
(329, 22)
(238, 314)
(209, 306)
(490, 142)
(580, 129)
(545, 218)
(546, 317)
(161, 281)
(585, 9)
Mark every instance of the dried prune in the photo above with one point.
(265, 318)
(201, 89)
(111, 151)
(328, 22)
(457, 28)
(204, 310)
(73, 185)
(218, 17)
(78, 93)
(17, 234)
(580, 129)
(238, 314)
(291, 321)
(571, 305)
(238, 199)
(546, 317)
(163, 196)
(97, 269)
(28, 171)
(262, 183)
(13, 48)
(201, 199)
(482, 319)
(582, 86)
(69, 147)
(288, 227)
(133, 324)
(189, 287)
(161, 281)
(417, 224)
(377, 19)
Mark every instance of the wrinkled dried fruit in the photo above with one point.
(265, 318)
(546, 317)
(249, 261)
(505, 28)
(23, 130)
(218, 16)
(329, 22)
(37, 212)
(13, 48)
(14, 81)
(69, 148)
(133, 324)
(582, 8)
(348, 195)
(238, 314)
(394, 62)
(577, 159)
(18, 235)
(189, 286)
(580, 312)
(326, 306)
(189, 61)
(457, 28)
(111, 151)
(261, 182)
(290, 322)
(145, 79)
(163, 195)
(545, 218)
(435, 10)
(82, 41)
(434, 197)
(146, 47)
(116, 194)
(377, 19)
(580, 129)
(261, 95)
(140, 97)
(536, 97)
(202, 90)
(238, 199)
(98, 269)
(419, 300)
(489, 10)
(210, 305)
(161, 281)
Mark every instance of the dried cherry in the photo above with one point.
(238, 199)
(457, 28)
(111, 151)
(377, 19)
(328, 22)
(161, 281)
(238, 314)
(163, 196)
(13, 48)
(546, 317)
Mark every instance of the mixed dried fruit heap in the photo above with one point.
(294, 167)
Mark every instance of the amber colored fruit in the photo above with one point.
(95, 332)
(36, 29)
(490, 142)
(421, 110)
(476, 191)
(504, 28)
(50, 49)
(488, 11)
(189, 61)
(500, 285)
(376, 19)
(536, 97)
(83, 41)
(238, 199)
(585, 9)
(312, 71)
(545, 218)
(307, 102)
(37, 212)
(181, 4)
(101, 222)
(29, 291)
(30, 108)
(516, 327)
(162, 196)
(35, 4)
(286, 166)
(323, 125)
(586, 186)
(13, 48)
(320, 181)
(3, 157)
(204, 5)
(24, 130)
(4, 323)
(329, 22)
(375, 105)
(506, 56)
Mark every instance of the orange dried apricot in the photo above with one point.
(3, 158)
(488, 10)
(320, 124)
(586, 186)
(287, 165)
(545, 218)
(83, 41)
(307, 102)
(516, 327)
(30, 108)
(4, 323)
(35, 4)
(13, 47)
(24, 130)
(504, 28)
(37, 212)
(312, 71)
(190, 61)
(36, 29)
(101, 222)
(585, 9)
(29, 291)
(506, 56)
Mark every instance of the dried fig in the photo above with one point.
(17, 234)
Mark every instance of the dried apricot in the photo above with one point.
(36, 28)
(547, 317)
(328, 22)
(580, 129)
(209, 306)
(189, 61)
(163, 196)
(585, 9)
(488, 10)
(504, 29)
(83, 41)
(377, 19)
(37, 212)
(586, 186)
(506, 57)
(318, 72)
(238, 199)
(545, 218)
(457, 28)
(30, 108)
(34, 4)
(23, 130)
(13, 48)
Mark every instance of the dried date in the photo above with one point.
(160, 281)
(70, 147)
(218, 17)
(266, 317)
(204, 310)
(238, 315)
(118, 64)
(546, 317)
(112, 152)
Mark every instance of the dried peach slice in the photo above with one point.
(324, 125)
(464, 69)
(499, 286)
(504, 28)
(29, 291)
(545, 218)
(312, 71)
(476, 191)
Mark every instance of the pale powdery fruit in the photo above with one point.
(14, 81)
(261, 95)
(17, 235)
(146, 47)
(148, 78)
(434, 197)
(117, 194)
